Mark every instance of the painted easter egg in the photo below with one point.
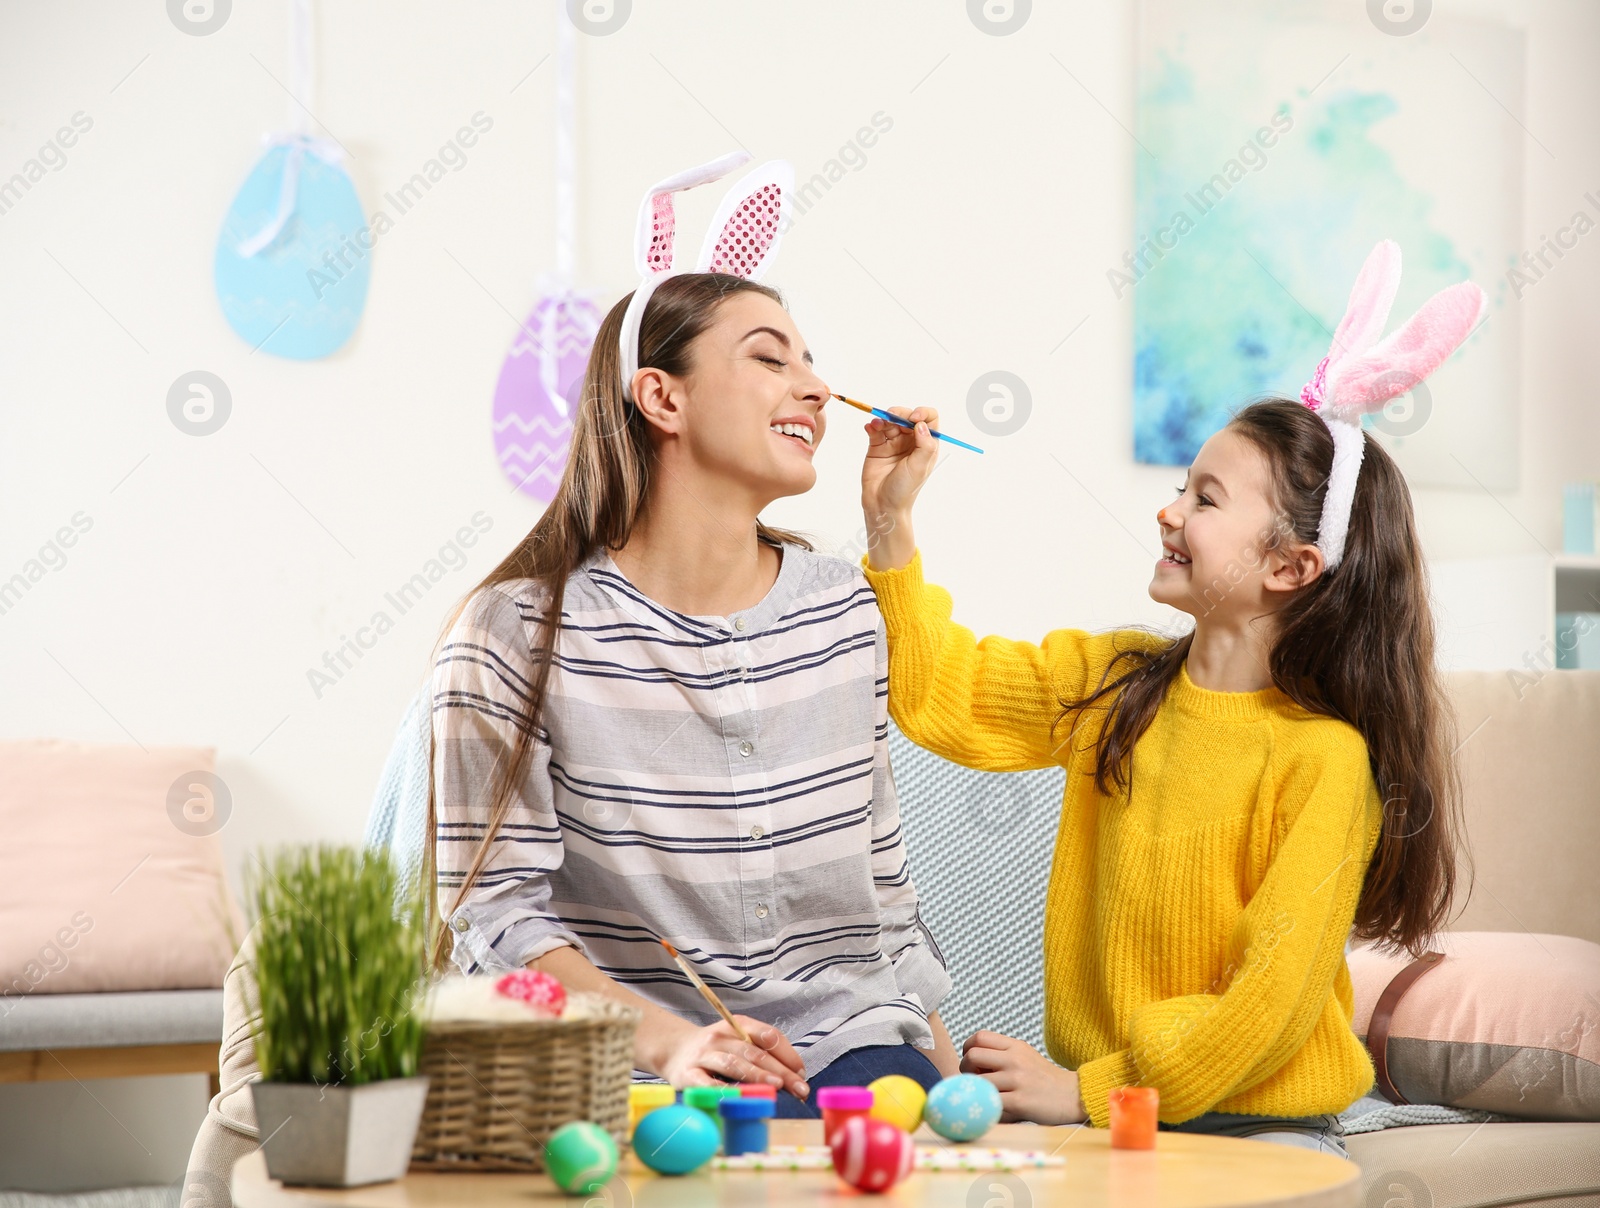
(294, 257)
(676, 1139)
(871, 1155)
(543, 993)
(536, 398)
(581, 1157)
(962, 1108)
(898, 1100)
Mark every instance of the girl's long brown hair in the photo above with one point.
(1356, 644)
(603, 491)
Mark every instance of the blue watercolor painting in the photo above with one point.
(1256, 203)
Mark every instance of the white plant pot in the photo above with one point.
(338, 1136)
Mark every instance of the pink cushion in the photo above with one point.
(100, 886)
(1508, 1022)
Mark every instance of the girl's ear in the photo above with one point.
(1293, 566)
(744, 234)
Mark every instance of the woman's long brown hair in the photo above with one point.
(603, 492)
(1356, 644)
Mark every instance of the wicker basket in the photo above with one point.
(496, 1091)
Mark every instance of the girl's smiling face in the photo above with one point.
(750, 410)
(1224, 541)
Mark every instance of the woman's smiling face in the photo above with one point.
(751, 407)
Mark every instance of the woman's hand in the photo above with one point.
(1032, 1087)
(709, 1055)
(673, 1048)
(899, 460)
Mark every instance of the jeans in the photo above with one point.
(1322, 1133)
(857, 1068)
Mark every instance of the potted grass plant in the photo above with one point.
(338, 958)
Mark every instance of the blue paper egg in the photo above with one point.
(962, 1108)
(301, 295)
(676, 1140)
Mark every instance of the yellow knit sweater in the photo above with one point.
(1194, 934)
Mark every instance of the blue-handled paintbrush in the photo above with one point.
(903, 422)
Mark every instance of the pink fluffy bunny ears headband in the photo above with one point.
(741, 241)
(1360, 373)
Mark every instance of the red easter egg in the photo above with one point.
(872, 1155)
(539, 990)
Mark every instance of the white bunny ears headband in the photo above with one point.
(741, 240)
(1360, 374)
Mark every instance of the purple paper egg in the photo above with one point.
(536, 398)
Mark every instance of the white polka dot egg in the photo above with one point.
(962, 1108)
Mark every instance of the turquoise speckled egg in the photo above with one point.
(676, 1139)
(962, 1108)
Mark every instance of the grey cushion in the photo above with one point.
(96, 1021)
(980, 846)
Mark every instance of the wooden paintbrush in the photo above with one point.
(710, 997)
(902, 422)
(705, 991)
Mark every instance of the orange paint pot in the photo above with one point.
(1133, 1117)
(841, 1103)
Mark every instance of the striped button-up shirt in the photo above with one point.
(719, 782)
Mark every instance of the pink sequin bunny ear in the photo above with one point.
(744, 233)
(741, 240)
(653, 246)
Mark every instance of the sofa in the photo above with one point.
(981, 846)
(118, 923)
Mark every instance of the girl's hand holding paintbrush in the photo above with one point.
(899, 460)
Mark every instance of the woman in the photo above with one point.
(697, 752)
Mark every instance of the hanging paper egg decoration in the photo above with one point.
(294, 257)
(540, 387)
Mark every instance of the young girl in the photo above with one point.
(658, 718)
(1235, 798)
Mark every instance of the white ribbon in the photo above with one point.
(562, 308)
(300, 139)
(566, 147)
(299, 144)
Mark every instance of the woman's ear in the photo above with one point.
(655, 395)
(1294, 565)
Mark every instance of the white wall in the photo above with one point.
(976, 236)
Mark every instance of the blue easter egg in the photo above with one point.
(675, 1140)
(962, 1108)
(301, 295)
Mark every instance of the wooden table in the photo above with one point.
(1184, 1171)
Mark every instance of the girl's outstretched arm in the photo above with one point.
(898, 463)
(993, 704)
